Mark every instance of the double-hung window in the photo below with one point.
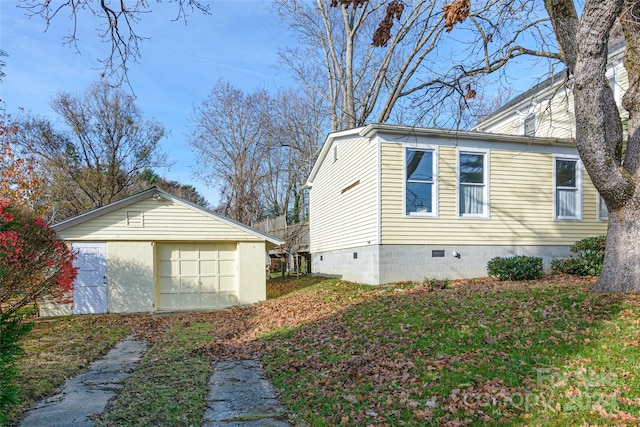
(420, 179)
(568, 188)
(529, 125)
(473, 188)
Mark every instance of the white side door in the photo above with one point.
(90, 287)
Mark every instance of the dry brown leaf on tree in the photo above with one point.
(456, 12)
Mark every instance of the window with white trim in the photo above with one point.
(603, 211)
(529, 125)
(420, 179)
(568, 188)
(473, 194)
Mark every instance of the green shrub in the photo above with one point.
(518, 267)
(588, 259)
(12, 328)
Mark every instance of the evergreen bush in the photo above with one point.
(588, 260)
(519, 267)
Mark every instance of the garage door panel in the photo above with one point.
(209, 284)
(196, 276)
(208, 252)
(189, 285)
(188, 251)
(167, 268)
(168, 285)
(209, 299)
(227, 267)
(167, 252)
(188, 268)
(227, 251)
(227, 298)
(189, 301)
(208, 267)
(169, 302)
(227, 284)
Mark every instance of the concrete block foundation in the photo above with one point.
(380, 264)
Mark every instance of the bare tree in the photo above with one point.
(258, 149)
(98, 160)
(295, 130)
(229, 142)
(2, 64)
(118, 21)
(359, 82)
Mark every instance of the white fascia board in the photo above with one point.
(371, 130)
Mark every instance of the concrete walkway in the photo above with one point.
(240, 395)
(86, 395)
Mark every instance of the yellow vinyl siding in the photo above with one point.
(521, 203)
(510, 125)
(161, 220)
(343, 203)
(554, 119)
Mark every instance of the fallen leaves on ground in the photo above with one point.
(478, 352)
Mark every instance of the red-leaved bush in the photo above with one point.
(34, 262)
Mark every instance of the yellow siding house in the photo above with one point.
(157, 252)
(547, 109)
(390, 203)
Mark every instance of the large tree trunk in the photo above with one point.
(621, 271)
(599, 136)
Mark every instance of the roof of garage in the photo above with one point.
(157, 194)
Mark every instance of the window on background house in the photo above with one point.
(472, 185)
(420, 194)
(568, 189)
(603, 211)
(529, 125)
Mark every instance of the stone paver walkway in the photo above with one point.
(240, 395)
(86, 395)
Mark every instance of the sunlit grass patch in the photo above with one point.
(58, 348)
(477, 353)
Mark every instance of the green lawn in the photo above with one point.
(57, 349)
(479, 352)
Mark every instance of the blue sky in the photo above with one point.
(180, 64)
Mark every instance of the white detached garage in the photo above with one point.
(157, 252)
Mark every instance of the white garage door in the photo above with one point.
(196, 276)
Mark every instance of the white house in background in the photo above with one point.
(547, 109)
(391, 203)
(156, 252)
